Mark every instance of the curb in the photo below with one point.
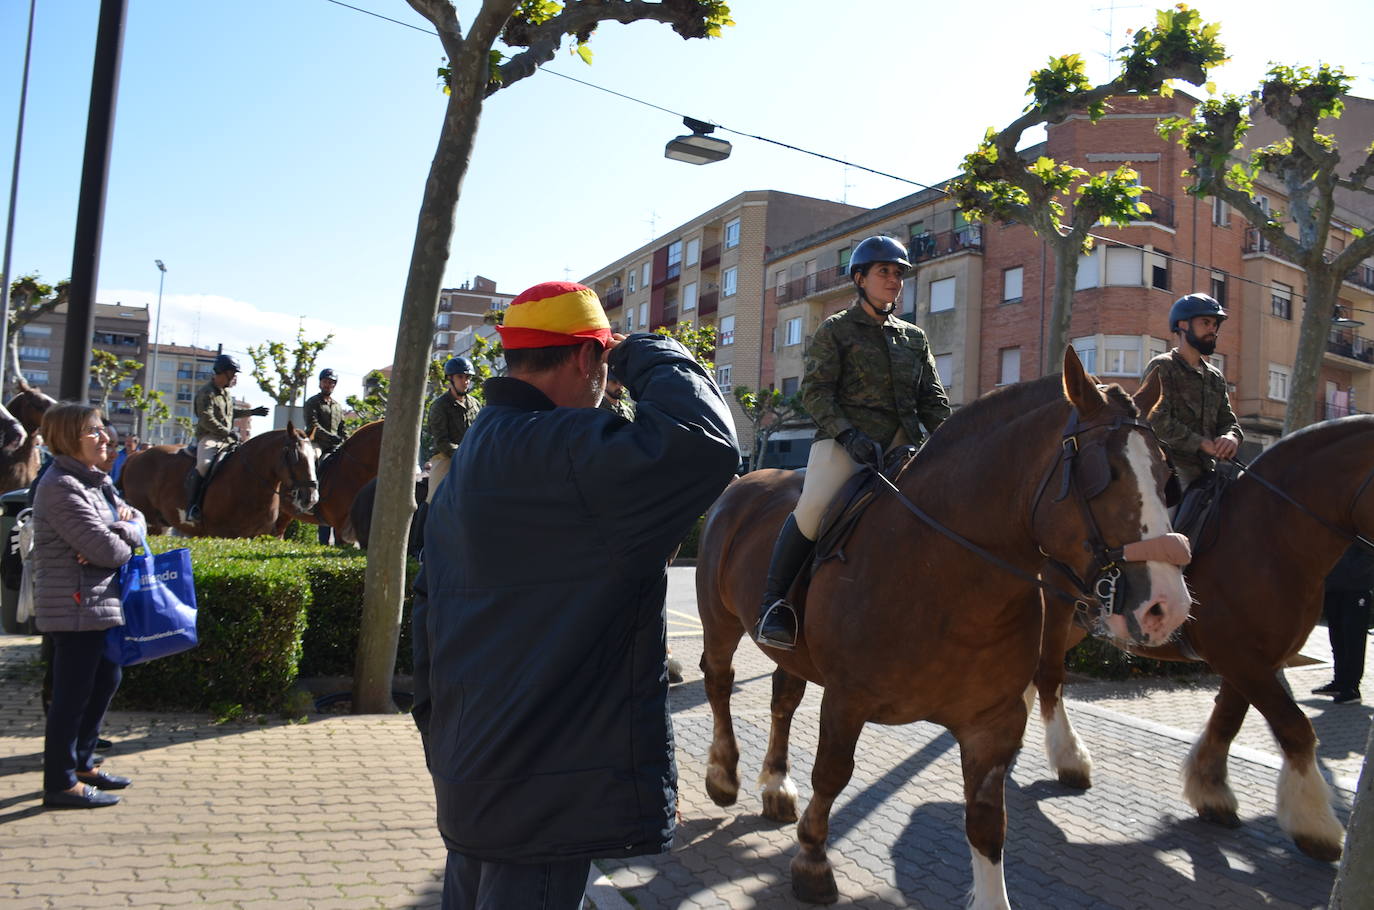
(601, 894)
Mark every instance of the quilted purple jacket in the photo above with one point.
(73, 515)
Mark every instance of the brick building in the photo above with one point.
(461, 310)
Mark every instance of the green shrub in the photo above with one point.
(331, 636)
(691, 544)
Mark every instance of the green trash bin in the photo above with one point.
(11, 504)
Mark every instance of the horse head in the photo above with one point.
(29, 405)
(297, 469)
(1100, 513)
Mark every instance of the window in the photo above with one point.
(780, 284)
(33, 352)
(729, 282)
(1282, 306)
(693, 251)
(1278, 382)
(1011, 284)
(443, 321)
(629, 319)
(909, 300)
(675, 253)
(441, 340)
(843, 268)
(944, 365)
(1086, 349)
(1121, 355)
(35, 331)
(942, 295)
(37, 377)
(646, 274)
(1123, 267)
(1011, 366)
(723, 376)
(630, 283)
(1159, 270)
(689, 297)
(1219, 288)
(1221, 212)
(1087, 271)
(1218, 361)
(790, 386)
(725, 331)
(732, 233)
(794, 331)
(644, 317)
(1156, 346)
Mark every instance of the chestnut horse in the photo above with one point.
(911, 625)
(342, 475)
(246, 495)
(1257, 598)
(21, 459)
(29, 405)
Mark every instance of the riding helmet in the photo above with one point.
(1193, 305)
(328, 373)
(877, 249)
(224, 364)
(458, 366)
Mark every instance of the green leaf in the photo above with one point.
(585, 53)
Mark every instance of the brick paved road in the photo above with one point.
(337, 812)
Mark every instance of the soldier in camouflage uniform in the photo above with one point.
(871, 385)
(324, 422)
(615, 400)
(215, 416)
(1194, 417)
(450, 415)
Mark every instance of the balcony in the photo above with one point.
(1332, 411)
(1161, 208)
(1348, 344)
(708, 302)
(710, 256)
(1255, 242)
(670, 274)
(670, 314)
(614, 298)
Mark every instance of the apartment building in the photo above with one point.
(709, 271)
(463, 309)
(119, 329)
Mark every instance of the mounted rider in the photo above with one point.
(450, 416)
(615, 399)
(215, 416)
(871, 385)
(324, 415)
(1194, 419)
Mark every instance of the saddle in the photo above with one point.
(192, 478)
(842, 516)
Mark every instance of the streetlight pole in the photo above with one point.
(155, 352)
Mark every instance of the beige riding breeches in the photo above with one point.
(827, 468)
(206, 450)
(438, 470)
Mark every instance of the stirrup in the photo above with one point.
(774, 610)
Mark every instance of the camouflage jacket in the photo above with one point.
(215, 413)
(621, 407)
(449, 419)
(875, 377)
(325, 417)
(1193, 407)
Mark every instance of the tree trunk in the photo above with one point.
(395, 504)
(1061, 305)
(1355, 881)
(1312, 339)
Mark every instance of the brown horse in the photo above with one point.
(342, 475)
(21, 459)
(246, 495)
(1257, 599)
(29, 405)
(911, 625)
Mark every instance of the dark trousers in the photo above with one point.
(472, 884)
(326, 535)
(1347, 619)
(83, 683)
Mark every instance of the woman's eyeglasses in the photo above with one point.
(93, 432)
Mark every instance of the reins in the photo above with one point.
(1278, 491)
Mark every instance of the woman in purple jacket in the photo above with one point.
(83, 533)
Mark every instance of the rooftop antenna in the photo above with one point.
(652, 222)
(847, 186)
(1110, 9)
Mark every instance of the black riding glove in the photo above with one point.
(861, 447)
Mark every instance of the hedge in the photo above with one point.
(269, 611)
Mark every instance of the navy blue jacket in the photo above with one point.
(541, 686)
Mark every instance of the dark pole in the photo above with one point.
(90, 213)
(14, 197)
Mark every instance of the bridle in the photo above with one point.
(1330, 526)
(1076, 458)
(292, 457)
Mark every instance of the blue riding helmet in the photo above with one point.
(224, 364)
(328, 373)
(877, 249)
(1192, 306)
(458, 366)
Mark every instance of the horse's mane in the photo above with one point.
(1300, 443)
(997, 407)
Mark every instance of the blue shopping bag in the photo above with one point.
(159, 598)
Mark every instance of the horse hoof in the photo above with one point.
(1322, 850)
(780, 806)
(1075, 780)
(1223, 817)
(813, 882)
(721, 786)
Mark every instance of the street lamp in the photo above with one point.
(698, 148)
(157, 334)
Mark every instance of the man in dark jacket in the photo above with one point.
(541, 691)
(1348, 591)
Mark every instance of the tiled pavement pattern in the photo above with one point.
(337, 811)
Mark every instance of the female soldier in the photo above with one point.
(870, 385)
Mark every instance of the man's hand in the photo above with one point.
(611, 345)
(259, 411)
(1223, 447)
(861, 447)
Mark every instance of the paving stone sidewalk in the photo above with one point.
(338, 812)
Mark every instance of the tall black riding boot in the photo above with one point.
(193, 500)
(779, 621)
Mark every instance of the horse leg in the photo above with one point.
(813, 878)
(1304, 798)
(986, 753)
(718, 672)
(1068, 756)
(779, 792)
(1205, 786)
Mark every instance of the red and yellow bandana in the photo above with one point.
(554, 314)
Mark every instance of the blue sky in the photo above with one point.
(272, 152)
